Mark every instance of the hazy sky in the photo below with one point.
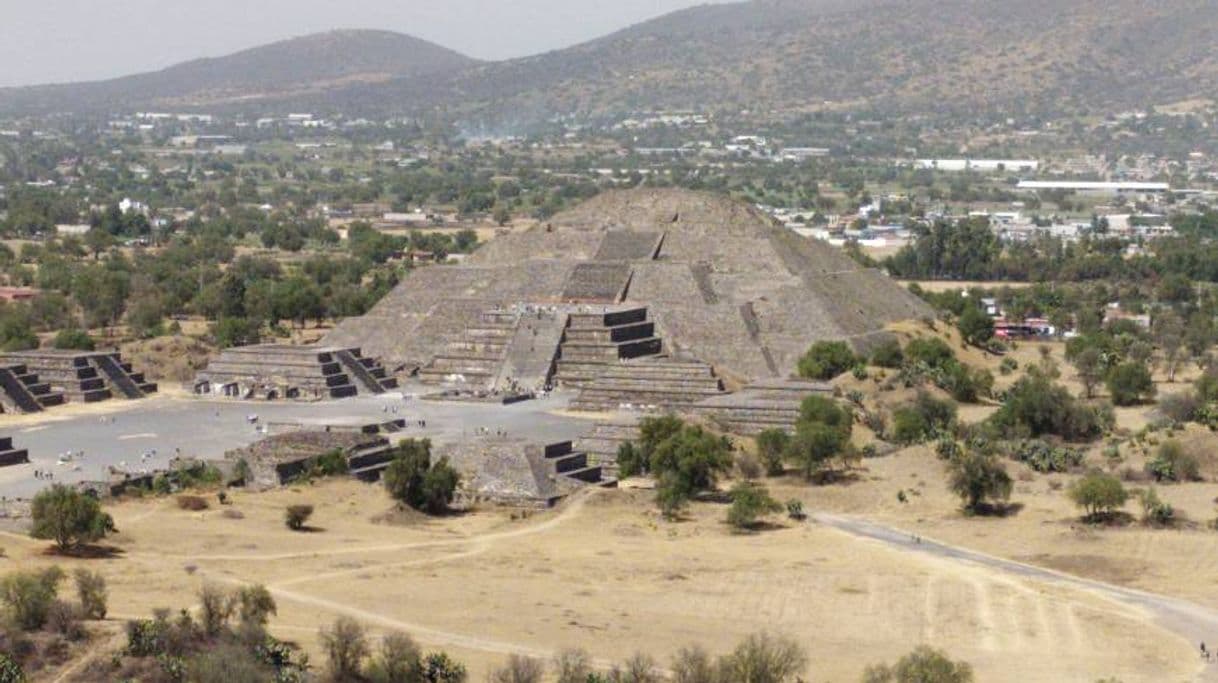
(43, 41)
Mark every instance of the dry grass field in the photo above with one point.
(603, 573)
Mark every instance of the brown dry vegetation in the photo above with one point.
(604, 573)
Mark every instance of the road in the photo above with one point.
(208, 428)
(1190, 621)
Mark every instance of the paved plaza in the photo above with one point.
(207, 429)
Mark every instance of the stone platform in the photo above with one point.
(84, 376)
(648, 384)
(277, 371)
(12, 456)
(22, 391)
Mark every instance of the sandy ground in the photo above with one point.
(604, 574)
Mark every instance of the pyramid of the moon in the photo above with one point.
(630, 274)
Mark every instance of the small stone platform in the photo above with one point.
(278, 371)
(84, 376)
(276, 460)
(23, 391)
(12, 456)
(649, 384)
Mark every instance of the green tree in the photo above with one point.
(822, 433)
(74, 339)
(1130, 383)
(826, 360)
(750, 501)
(411, 478)
(976, 478)
(976, 327)
(772, 446)
(230, 332)
(1089, 364)
(1098, 494)
(68, 517)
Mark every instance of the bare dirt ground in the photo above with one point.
(603, 573)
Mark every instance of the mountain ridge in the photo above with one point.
(1013, 57)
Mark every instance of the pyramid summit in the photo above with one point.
(697, 275)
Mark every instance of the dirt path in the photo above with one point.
(1190, 621)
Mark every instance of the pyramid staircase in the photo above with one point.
(85, 376)
(564, 462)
(596, 341)
(21, 391)
(477, 358)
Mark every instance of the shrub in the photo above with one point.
(1154, 510)
(749, 502)
(227, 663)
(68, 517)
(440, 668)
(91, 590)
(1180, 407)
(572, 666)
(976, 477)
(826, 360)
(923, 665)
(926, 417)
(295, 516)
(763, 658)
(930, 351)
(255, 605)
(693, 665)
(215, 608)
(74, 339)
(1035, 406)
(192, 503)
(1171, 463)
(888, 354)
(346, 647)
(772, 444)
(398, 659)
(519, 669)
(27, 596)
(795, 510)
(1130, 384)
(1043, 457)
(1007, 366)
(748, 466)
(64, 618)
(10, 671)
(1098, 494)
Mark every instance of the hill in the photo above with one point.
(925, 56)
(289, 68)
(963, 57)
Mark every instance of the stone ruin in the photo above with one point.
(279, 371)
(73, 376)
(276, 460)
(12, 456)
(626, 275)
(511, 471)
